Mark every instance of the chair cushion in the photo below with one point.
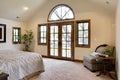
(90, 59)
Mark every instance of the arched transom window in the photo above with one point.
(61, 12)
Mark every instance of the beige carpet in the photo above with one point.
(66, 70)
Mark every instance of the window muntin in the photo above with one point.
(42, 34)
(61, 12)
(16, 35)
(83, 33)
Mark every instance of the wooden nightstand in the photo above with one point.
(4, 76)
(108, 65)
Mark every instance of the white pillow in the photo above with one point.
(94, 54)
(104, 55)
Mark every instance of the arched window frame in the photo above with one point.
(54, 8)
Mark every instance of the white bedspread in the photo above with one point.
(19, 64)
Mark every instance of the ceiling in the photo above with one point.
(108, 4)
(10, 9)
(13, 9)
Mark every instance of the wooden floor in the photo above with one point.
(66, 70)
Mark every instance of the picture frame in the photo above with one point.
(2, 33)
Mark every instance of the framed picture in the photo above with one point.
(2, 33)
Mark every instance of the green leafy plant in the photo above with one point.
(108, 50)
(27, 39)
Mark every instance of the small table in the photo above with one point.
(107, 65)
(3, 76)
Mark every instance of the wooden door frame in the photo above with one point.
(60, 39)
(48, 41)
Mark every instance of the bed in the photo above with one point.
(19, 64)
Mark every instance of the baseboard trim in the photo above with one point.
(45, 56)
(75, 60)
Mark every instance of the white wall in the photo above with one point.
(102, 24)
(118, 39)
(9, 25)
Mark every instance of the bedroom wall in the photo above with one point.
(102, 24)
(9, 24)
(118, 40)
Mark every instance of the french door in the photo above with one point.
(61, 40)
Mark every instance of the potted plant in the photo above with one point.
(108, 51)
(27, 39)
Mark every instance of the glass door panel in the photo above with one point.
(66, 41)
(54, 40)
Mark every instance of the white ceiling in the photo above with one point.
(108, 4)
(10, 9)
